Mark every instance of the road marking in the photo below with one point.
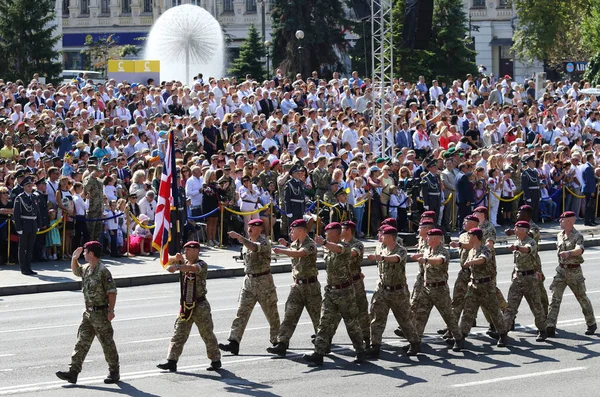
(7, 355)
(79, 304)
(524, 376)
(5, 370)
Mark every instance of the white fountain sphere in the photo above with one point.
(187, 37)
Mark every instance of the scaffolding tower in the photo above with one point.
(383, 76)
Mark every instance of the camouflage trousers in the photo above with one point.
(484, 296)
(525, 286)
(572, 278)
(360, 296)
(338, 303)
(301, 296)
(440, 298)
(544, 295)
(501, 302)
(261, 290)
(203, 319)
(94, 228)
(95, 324)
(459, 292)
(398, 302)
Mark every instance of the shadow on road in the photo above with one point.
(123, 388)
(234, 383)
(581, 349)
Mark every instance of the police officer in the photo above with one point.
(194, 309)
(431, 190)
(342, 211)
(27, 224)
(42, 204)
(258, 286)
(530, 183)
(294, 195)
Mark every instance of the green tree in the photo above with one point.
(249, 61)
(27, 40)
(324, 45)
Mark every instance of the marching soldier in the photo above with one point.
(27, 224)
(305, 291)
(321, 177)
(530, 182)
(391, 293)
(100, 296)
(258, 286)
(482, 288)
(94, 189)
(342, 211)
(194, 308)
(294, 195)
(339, 298)
(569, 274)
(435, 292)
(431, 190)
(525, 280)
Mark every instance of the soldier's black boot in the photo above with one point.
(502, 340)
(170, 365)
(458, 345)
(280, 349)
(550, 332)
(214, 366)
(398, 332)
(413, 349)
(492, 332)
(591, 330)
(442, 331)
(542, 335)
(233, 347)
(373, 351)
(314, 358)
(113, 377)
(512, 327)
(367, 343)
(70, 376)
(360, 358)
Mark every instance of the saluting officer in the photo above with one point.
(431, 190)
(530, 183)
(27, 224)
(294, 195)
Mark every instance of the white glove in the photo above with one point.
(289, 215)
(19, 232)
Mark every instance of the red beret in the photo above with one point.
(298, 223)
(256, 222)
(523, 224)
(390, 230)
(472, 218)
(567, 214)
(192, 244)
(275, 162)
(481, 209)
(92, 244)
(426, 223)
(476, 232)
(428, 214)
(435, 232)
(526, 207)
(349, 224)
(389, 222)
(333, 225)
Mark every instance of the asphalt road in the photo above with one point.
(38, 332)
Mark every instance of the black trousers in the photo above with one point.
(590, 208)
(26, 244)
(82, 234)
(463, 211)
(114, 249)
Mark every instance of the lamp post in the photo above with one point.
(267, 50)
(263, 11)
(300, 37)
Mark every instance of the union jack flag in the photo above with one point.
(162, 229)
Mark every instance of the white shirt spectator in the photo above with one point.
(192, 190)
(148, 207)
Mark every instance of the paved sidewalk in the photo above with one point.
(141, 270)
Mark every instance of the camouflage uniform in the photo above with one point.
(525, 283)
(392, 293)
(436, 293)
(339, 300)
(258, 287)
(195, 309)
(320, 180)
(96, 284)
(268, 177)
(569, 274)
(489, 233)
(418, 287)
(515, 176)
(461, 285)
(95, 189)
(481, 291)
(329, 198)
(304, 292)
(534, 231)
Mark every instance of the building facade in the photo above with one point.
(492, 24)
(130, 20)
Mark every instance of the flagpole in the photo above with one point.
(174, 246)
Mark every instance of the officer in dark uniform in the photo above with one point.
(27, 218)
(44, 219)
(342, 211)
(294, 195)
(431, 190)
(18, 188)
(530, 183)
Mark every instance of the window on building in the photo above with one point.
(227, 5)
(65, 8)
(196, 3)
(478, 3)
(105, 7)
(148, 6)
(85, 7)
(126, 6)
(250, 6)
(504, 3)
(175, 3)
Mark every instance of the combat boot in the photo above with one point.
(458, 345)
(551, 332)
(542, 335)
(170, 365)
(373, 351)
(214, 366)
(280, 349)
(233, 347)
(502, 340)
(367, 343)
(360, 358)
(398, 332)
(70, 376)
(113, 377)
(591, 329)
(314, 358)
(413, 349)
(442, 331)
